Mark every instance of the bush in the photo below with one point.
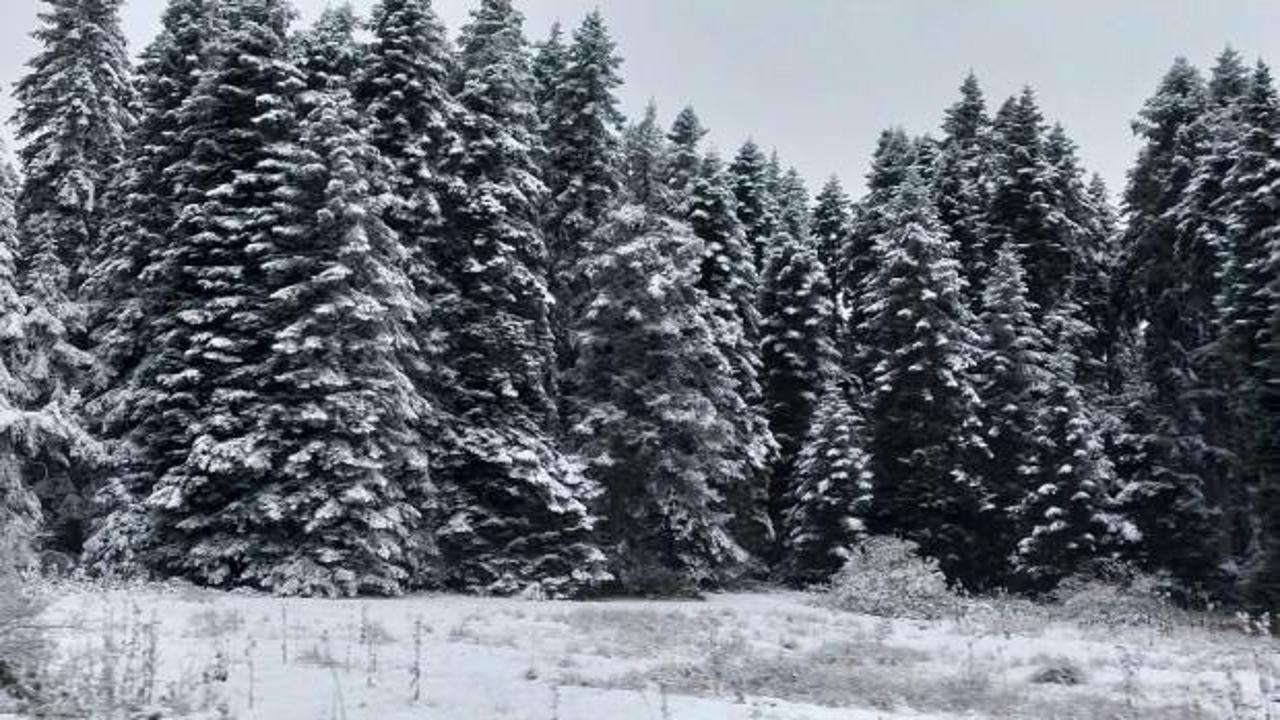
(889, 578)
(1134, 600)
(23, 649)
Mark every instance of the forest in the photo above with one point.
(368, 306)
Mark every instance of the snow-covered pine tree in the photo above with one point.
(655, 410)
(684, 161)
(831, 493)
(35, 428)
(1249, 309)
(583, 167)
(925, 435)
(129, 287)
(341, 512)
(728, 278)
(1015, 380)
(72, 118)
(518, 518)
(1064, 511)
(962, 181)
(403, 88)
(796, 351)
(757, 205)
(204, 407)
(549, 62)
(1023, 210)
(831, 225)
(1165, 493)
(329, 56)
(644, 153)
(892, 161)
(793, 206)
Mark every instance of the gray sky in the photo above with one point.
(819, 79)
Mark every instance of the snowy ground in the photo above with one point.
(769, 655)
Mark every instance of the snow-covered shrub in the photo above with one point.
(1059, 671)
(23, 648)
(1138, 600)
(889, 578)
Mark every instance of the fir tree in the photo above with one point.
(1063, 513)
(684, 163)
(655, 422)
(831, 494)
(518, 517)
(1023, 210)
(728, 277)
(962, 184)
(793, 206)
(1165, 495)
(924, 433)
(130, 285)
(757, 205)
(796, 352)
(204, 404)
(72, 118)
(1015, 375)
(832, 224)
(582, 170)
(341, 512)
(644, 159)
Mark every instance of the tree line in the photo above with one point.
(362, 308)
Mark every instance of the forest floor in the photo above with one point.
(771, 655)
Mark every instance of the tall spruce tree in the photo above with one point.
(831, 494)
(832, 224)
(757, 203)
(684, 163)
(924, 428)
(793, 206)
(72, 118)
(1165, 493)
(797, 352)
(1015, 379)
(129, 288)
(582, 170)
(655, 413)
(728, 278)
(644, 155)
(962, 184)
(518, 509)
(206, 404)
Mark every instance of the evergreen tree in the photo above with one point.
(518, 508)
(1063, 513)
(796, 351)
(548, 66)
(925, 433)
(340, 513)
(793, 206)
(832, 224)
(832, 490)
(36, 429)
(1165, 494)
(893, 160)
(582, 170)
(1015, 375)
(1024, 210)
(205, 405)
(962, 184)
(644, 155)
(728, 278)
(684, 163)
(72, 118)
(757, 204)
(655, 422)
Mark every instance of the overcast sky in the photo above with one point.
(819, 79)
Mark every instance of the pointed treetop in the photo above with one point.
(1229, 78)
(966, 119)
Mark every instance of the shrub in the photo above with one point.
(889, 578)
